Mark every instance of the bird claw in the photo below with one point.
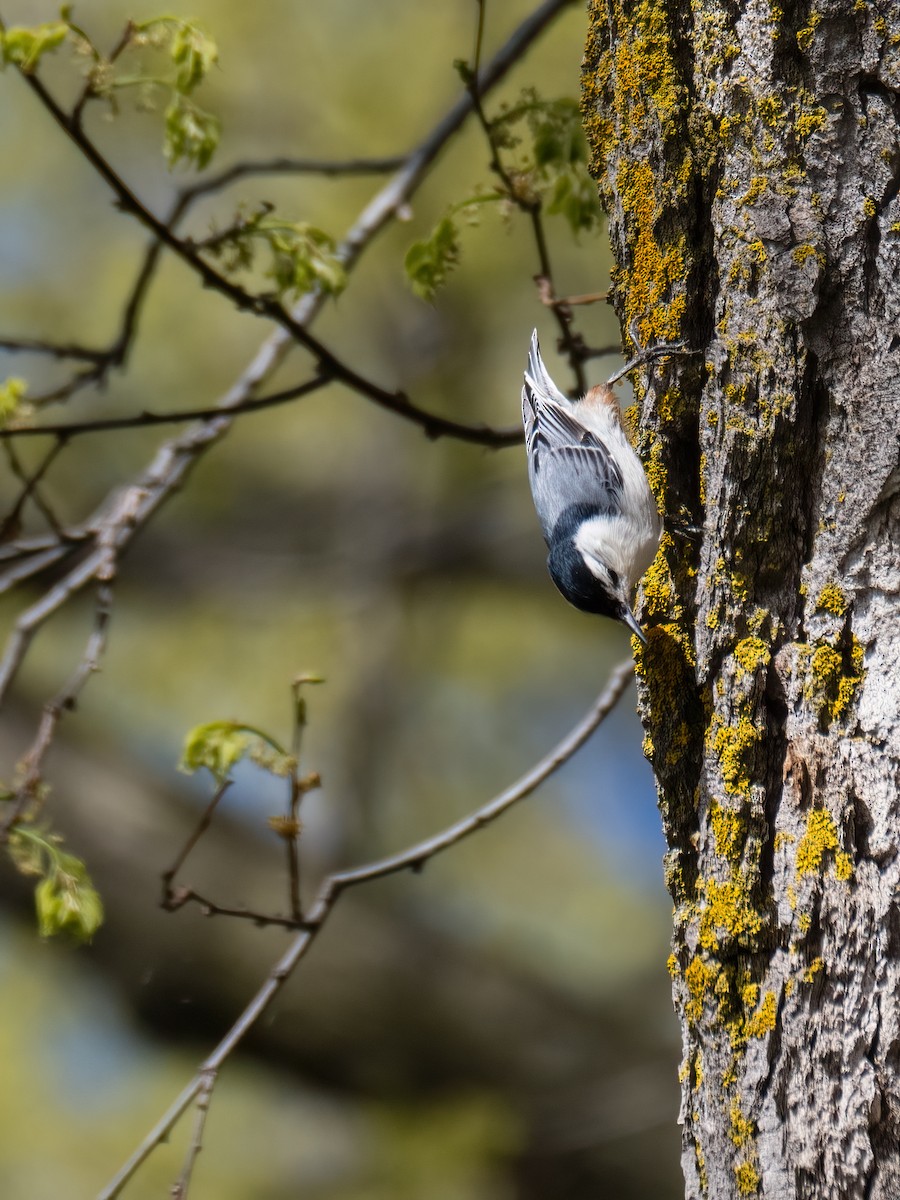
(682, 529)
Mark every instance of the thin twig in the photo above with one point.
(169, 899)
(54, 710)
(553, 301)
(294, 166)
(179, 1189)
(31, 620)
(177, 897)
(32, 565)
(331, 889)
(53, 349)
(21, 547)
(69, 429)
(12, 520)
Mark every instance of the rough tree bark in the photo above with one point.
(749, 158)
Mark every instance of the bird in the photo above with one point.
(592, 497)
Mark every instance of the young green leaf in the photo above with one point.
(574, 197)
(429, 262)
(12, 395)
(67, 901)
(190, 133)
(24, 47)
(303, 258)
(194, 52)
(217, 745)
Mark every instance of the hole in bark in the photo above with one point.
(892, 948)
(860, 828)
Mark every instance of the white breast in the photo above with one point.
(627, 542)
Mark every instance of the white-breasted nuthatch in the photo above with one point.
(592, 497)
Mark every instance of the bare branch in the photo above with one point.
(31, 620)
(32, 565)
(68, 429)
(62, 703)
(170, 900)
(294, 166)
(179, 1189)
(21, 547)
(53, 349)
(413, 859)
(11, 522)
(116, 354)
(178, 897)
(551, 300)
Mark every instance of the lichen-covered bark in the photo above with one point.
(749, 157)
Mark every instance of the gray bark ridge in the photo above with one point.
(749, 159)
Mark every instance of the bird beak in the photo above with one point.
(628, 619)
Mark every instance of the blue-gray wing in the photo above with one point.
(567, 464)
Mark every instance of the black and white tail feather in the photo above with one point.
(592, 497)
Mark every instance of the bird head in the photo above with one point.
(590, 584)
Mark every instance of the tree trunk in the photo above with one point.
(748, 156)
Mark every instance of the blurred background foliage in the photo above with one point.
(500, 1026)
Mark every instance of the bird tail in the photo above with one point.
(538, 378)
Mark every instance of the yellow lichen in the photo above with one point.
(764, 1019)
(831, 685)
(657, 475)
(771, 110)
(812, 970)
(751, 653)
(701, 1169)
(832, 599)
(758, 185)
(729, 833)
(699, 978)
(801, 253)
(728, 910)
(809, 121)
(805, 35)
(747, 1178)
(655, 270)
(820, 837)
(870, 208)
(843, 866)
(742, 1129)
(733, 745)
